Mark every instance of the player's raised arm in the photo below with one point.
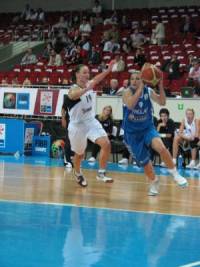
(161, 97)
(130, 98)
(99, 77)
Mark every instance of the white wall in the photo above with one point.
(176, 107)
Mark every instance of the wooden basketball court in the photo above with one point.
(129, 191)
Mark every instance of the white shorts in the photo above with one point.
(80, 132)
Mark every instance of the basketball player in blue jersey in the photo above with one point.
(140, 133)
(83, 125)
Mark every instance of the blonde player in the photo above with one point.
(140, 133)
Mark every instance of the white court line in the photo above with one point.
(197, 263)
(98, 208)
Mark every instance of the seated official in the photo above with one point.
(105, 118)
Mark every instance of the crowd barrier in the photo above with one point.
(16, 136)
(48, 102)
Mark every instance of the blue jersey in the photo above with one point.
(141, 116)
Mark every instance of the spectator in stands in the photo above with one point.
(111, 46)
(15, 82)
(32, 15)
(47, 51)
(76, 37)
(171, 66)
(158, 34)
(85, 27)
(26, 12)
(144, 27)
(139, 57)
(194, 76)
(65, 81)
(191, 60)
(166, 128)
(187, 26)
(112, 90)
(45, 80)
(102, 67)
(41, 15)
(4, 82)
(137, 39)
(96, 20)
(124, 23)
(187, 136)
(61, 24)
(26, 82)
(124, 87)
(119, 65)
(29, 58)
(58, 44)
(94, 57)
(55, 59)
(112, 20)
(85, 45)
(105, 118)
(97, 8)
(112, 33)
(126, 48)
(75, 57)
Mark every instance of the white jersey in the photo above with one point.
(190, 129)
(82, 109)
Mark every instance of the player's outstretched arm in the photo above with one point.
(100, 77)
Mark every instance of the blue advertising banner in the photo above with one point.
(23, 101)
(2, 134)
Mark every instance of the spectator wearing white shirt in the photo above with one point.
(137, 39)
(29, 58)
(61, 24)
(55, 59)
(112, 20)
(119, 65)
(41, 15)
(111, 46)
(194, 77)
(85, 28)
(26, 12)
(194, 72)
(97, 8)
(159, 33)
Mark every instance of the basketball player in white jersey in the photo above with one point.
(187, 134)
(83, 125)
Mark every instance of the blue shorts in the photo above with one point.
(138, 144)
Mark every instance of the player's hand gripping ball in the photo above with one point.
(151, 75)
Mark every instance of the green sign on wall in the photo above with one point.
(180, 106)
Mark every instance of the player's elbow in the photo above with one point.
(162, 102)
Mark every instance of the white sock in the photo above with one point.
(174, 160)
(101, 171)
(192, 161)
(173, 171)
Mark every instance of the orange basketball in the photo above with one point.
(150, 74)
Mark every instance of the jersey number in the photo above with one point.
(88, 98)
